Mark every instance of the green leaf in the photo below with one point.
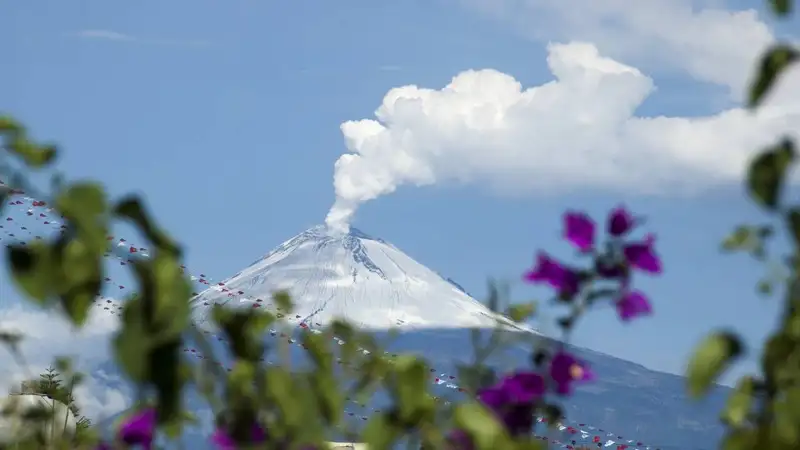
(785, 426)
(243, 329)
(411, 388)
(792, 325)
(283, 301)
(280, 389)
(167, 376)
(764, 287)
(131, 208)
(132, 344)
(83, 199)
(9, 125)
(529, 443)
(84, 205)
(743, 237)
(767, 173)
(475, 376)
(710, 359)
(33, 269)
(481, 425)
(741, 439)
(380, 434)
(773, 62)
(241, 378)
(172, 293)
(330, 399)
(793, 222)
(776, 354)
(63, 365)
(81, 281)
(781, 8)
(793, 401)
(739, 403)
(522, 312)
(33, 155)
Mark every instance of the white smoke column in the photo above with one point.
(576, 132)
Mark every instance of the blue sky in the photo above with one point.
(226, 117)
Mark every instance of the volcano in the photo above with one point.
(352, 276)
(375, 286)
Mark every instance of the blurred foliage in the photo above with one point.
(763, 411)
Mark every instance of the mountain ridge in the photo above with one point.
(356, 277)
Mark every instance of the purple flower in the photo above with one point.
(139, 428)
(566, 369)
(523, 387)
(495, 397)
(579, 230)
(550, 271)
(642, 256)
(633, 304)
(512, 400)
(223, 441)
(620, 221)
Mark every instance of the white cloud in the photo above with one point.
(578, 131)
(47, 336)
(699, 38)
(99, 396)
(109, 35)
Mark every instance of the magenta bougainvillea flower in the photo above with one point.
(620, 222)
(512, 400)
(579, 230)
(139, 429)
(548, 270)
(641, 255)
(633, 304)
(523, 387)
(565, 369)
(493, 397)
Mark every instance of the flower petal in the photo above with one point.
(620, 221)
(565, 369)
(139, 428)
(579, 230)
(633, 304)
(494, 397)
(642, 256)
(523, 387)
(551, 272)
(543, 270)
(222, 441)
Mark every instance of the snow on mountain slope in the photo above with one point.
(351, 276)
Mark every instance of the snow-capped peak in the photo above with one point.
(352, 276)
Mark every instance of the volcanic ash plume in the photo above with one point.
(577, 132)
